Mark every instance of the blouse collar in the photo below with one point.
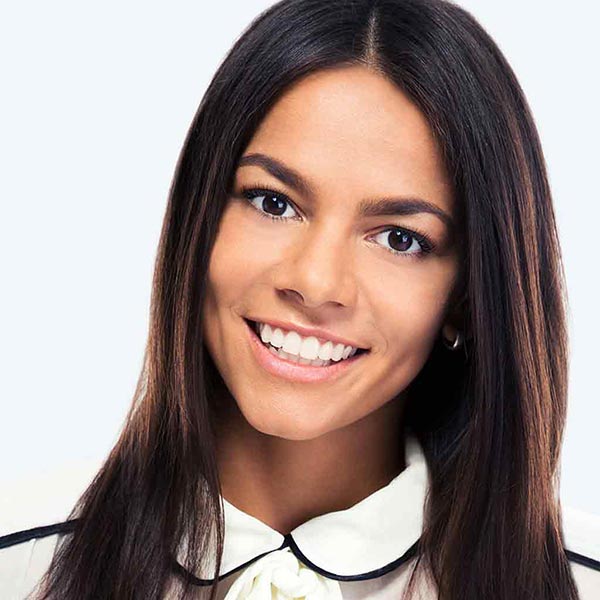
(367, 540)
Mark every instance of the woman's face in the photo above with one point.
(352, 139)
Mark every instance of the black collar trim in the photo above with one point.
(12, 539)
(289, 542)
(412, 551)
(179, 568)
(18, 537)
(583, 560)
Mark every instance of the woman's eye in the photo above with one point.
(278, 207)
(270, 204)
(405, 242)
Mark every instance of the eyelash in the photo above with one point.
(427, 245)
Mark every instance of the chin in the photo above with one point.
(287, 426)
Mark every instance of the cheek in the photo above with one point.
(231, 268)
(408, 305)
(245, 250)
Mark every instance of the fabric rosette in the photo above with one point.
(279, 575)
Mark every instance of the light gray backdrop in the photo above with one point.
(96, 101)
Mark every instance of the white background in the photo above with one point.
(95, 104)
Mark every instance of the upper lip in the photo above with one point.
(323, 334)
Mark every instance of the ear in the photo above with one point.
(454, 321)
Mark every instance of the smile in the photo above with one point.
(293, 367)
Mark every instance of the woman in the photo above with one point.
(356, 375)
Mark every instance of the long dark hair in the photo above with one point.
(490, 419)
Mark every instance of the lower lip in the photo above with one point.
(295, 371)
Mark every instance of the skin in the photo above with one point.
(289, 451)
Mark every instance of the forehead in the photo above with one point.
(353, 131)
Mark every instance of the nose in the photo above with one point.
(319, 268)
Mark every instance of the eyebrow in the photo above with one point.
(366, 208)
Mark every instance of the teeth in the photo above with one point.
(305, 349)
(325, 350)
(295, 358)
(292, 342)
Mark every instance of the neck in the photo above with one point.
(284, 482)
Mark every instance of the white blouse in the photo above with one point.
(365, 551)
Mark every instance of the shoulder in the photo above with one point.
(26, 555)
(582, 541)
(34, 514)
